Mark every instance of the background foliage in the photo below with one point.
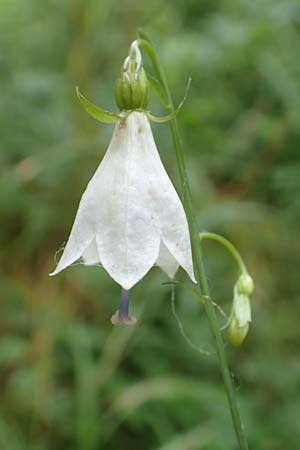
(68, 379)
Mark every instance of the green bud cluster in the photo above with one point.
(132, 87)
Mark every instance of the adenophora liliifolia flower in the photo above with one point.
(130, 217)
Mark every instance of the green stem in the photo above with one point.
(216, 237)
(196, 247)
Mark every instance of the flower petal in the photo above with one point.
(90, 256)
(129, 207)
(126, 233)
(115, 209)
(82, 232)
(166, 205)
(166, 261)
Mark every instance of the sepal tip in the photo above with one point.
(96, 112)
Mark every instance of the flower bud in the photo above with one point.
(240, 318)
(132, 87)
(241, 310)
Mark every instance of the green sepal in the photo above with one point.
(97, 113)
(174, 113)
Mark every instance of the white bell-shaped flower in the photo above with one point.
(130, 217)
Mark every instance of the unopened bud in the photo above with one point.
(241, 310)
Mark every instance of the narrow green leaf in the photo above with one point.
(97, 113)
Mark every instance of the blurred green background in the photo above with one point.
(69, 380)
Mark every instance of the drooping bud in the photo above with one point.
(132, 88)
(241, 310)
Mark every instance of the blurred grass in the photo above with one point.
(70, 381)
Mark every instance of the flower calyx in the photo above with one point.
(132, 92)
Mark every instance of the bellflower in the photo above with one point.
(130, 217)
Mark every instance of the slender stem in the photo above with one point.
(216, 237)
(196, 247)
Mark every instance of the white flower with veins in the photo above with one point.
(130, 217)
